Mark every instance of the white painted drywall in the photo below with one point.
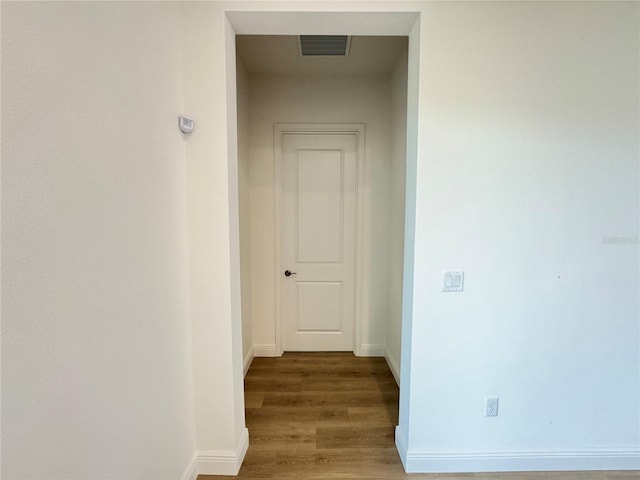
(528, 156)
(397, 172)
(335, 99)
(214, 244)
(244, 210)
(96, 347)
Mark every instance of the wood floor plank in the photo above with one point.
(302, 414)
(258, 463)
(338, 464)
(341, 384)
(253, 399)
(283, 437)
(332, 416)
(373, 416)
(342, 437)
(291, 383)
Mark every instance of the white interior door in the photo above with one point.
(319, 239)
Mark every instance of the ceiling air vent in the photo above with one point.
(318, 45)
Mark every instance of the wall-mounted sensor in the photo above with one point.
(186, 124)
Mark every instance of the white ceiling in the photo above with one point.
(278, 55)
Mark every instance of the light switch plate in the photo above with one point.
(453, 280)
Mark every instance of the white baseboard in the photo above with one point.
(401, 447)
(248, 358)
(191, 472)
(223, 462)
(266, 351)
(423, 461)
(370, 351)
(393, 366)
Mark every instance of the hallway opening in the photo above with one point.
(246, 342)
(366, 92)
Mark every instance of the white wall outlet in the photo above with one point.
(453, 280)
(490, 406)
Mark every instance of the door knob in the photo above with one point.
(288, 273)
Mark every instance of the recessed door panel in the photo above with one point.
(320, 205)
(319, 307)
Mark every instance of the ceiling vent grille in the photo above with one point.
(324, 45)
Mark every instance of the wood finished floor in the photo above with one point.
(332, 415)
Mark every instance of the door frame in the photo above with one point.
(357, 129)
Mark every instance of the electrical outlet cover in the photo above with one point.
(490, 406)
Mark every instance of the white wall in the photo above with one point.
(96, 347)
(244, 210)
(214, 238)
(335, 99)
(397, 172)
(527, 157)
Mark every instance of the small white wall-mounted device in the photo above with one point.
(186, 124)
(490, 406)
(453, 281)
